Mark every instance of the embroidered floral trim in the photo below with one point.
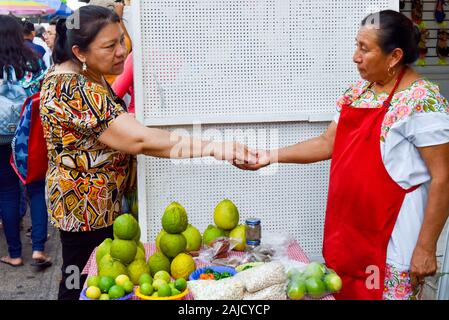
(422, 96)
(398, 285)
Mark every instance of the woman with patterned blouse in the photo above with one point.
(388, 195)
(91, 137)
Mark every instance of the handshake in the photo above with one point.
(241, 156)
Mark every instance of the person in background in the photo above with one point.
(28, 35)
(39, 31)
(118, 7)
(124, 84)
(388, 197)
(91, 138)
(39, 40)
(29, 70)
(50, 33)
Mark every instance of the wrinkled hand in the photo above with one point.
(264, 158)
(423, 264)
(234, 152)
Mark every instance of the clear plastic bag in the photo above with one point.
(218, 249)
(314, 280)
(273, 247)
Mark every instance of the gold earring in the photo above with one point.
(84, 67)
(391, 74)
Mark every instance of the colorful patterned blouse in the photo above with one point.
(422, 96)
(85, 179)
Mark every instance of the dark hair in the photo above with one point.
(40, 30)
(13, 50)
(28, 27)
(54, 21)
(396, 31)
(80, 29)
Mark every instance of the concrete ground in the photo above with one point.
(25, 282)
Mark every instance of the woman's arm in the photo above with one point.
(316, 149)
(423, 261)
(127, 135)
(313, 150)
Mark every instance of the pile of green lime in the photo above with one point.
(161, 285)
(315, 281)
(108, 288)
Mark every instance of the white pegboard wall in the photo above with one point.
(289, 199)
(243, 64)
(225, 58)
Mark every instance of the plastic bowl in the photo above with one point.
(177, 297)
(196, 274)
(125, 297)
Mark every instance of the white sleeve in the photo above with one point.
(427, 129)
(336, 117)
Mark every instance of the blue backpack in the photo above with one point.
(12, 97)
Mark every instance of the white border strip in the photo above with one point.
(238, 119)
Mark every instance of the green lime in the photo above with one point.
(146, 289)
(128, 286)
(162, 274)
(175, 292)
(296, 290)
(106, 283)
(315, 287)
(145, 278)
(116, 292)
(93, 292)
(157, 283)
(164, 290)
(315, 270)
(333, 282)
(104, 296)
(181, 284)
(120, 280)
(93, 281)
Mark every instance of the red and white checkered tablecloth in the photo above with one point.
(294, 252)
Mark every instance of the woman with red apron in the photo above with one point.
(363, 203)
(387, 202)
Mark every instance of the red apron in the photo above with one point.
(363, 202)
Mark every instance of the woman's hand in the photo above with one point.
(234, 152)
(118, 8)
(423, 261)
(423, 264)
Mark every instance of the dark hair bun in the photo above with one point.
(61, 28)
(398, 31)
(90, 20)
(417, 34)
(61, 50)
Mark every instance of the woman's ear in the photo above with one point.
(396, 56)
(78, 54)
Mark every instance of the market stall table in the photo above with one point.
(294, 252)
